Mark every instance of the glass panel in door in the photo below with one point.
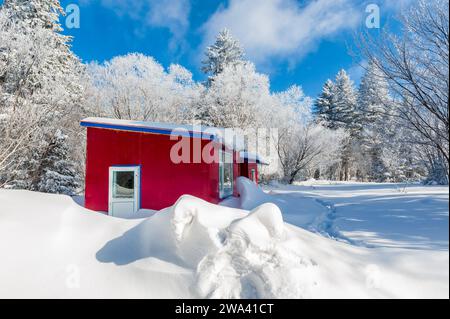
(123, 184)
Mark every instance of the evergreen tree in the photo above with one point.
(344, 110)
(373, 99)
(373, 95)
(336, 105)
(224, 52)
(336, 109)
(40, 87)
(323, 107)
(347, 118)
(58, 174)
(38, 20)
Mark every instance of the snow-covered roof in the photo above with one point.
(225, 136)
(253, 157)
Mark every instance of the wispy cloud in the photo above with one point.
(282, 29)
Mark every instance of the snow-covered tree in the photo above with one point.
(40, 87)
(373, 94)
(374, 105)
(137, 87)
(224, 52)
(47, 58)
(304, 146)
(324, 105)
(57, 170)
(294, 101)
(416, 65)
(336, 108)
(35, 13)
(344, 110)
(236, 98)
(336, 105)
(402, 159)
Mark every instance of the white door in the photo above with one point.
(123, 190)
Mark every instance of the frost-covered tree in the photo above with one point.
(373, 94)
(236, 98)
(416, 65)
(40, 88)
(374, 105)
(294, 101)
(324, 105)
(35, 13)
(57, 173)
(402, 159)
(345, 114)
(224, 52)
(336, 108)
(336, 105)
(303, 146)
(47, 58)
(136, 87)
(306, 145)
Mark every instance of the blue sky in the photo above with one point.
(294, 42)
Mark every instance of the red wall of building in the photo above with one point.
(246, 170)
(162, 181)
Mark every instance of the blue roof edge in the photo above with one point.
(142, 129)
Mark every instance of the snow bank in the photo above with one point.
(206, 250)
(190, 250)
(236, 255)
(250, 194)
(297, 209)
(253, 261)
(198, 227)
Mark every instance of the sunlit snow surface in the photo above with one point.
(375, 215)
(355, 240)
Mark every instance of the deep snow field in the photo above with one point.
(312, 240)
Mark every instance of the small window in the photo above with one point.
(225, 174)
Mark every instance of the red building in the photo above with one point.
(132, 165)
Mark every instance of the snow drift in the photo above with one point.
(53, 248)
(233, 254)
(250, 194)
(242, 256)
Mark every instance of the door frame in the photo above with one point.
(137, 186)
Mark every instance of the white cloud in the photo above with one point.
(282, 28)
(171, 14)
